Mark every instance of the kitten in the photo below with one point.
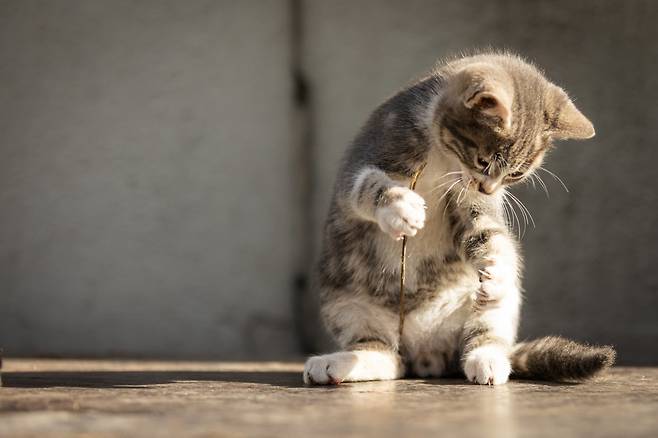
(475, 125)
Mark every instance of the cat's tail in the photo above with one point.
(557, 359)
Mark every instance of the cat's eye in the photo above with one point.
(482, 162)
(516, 174)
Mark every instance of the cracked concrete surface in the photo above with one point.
(129, 398)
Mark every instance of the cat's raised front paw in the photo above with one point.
(496, 280)
(488, 365)
(403, 214)
(329, 369)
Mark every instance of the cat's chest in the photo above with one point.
(432, 259)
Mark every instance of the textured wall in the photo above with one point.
(134, 215)
(146, 180)
(591, 262)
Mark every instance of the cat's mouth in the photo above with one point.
(478, 183)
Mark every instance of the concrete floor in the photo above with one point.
(109, 398)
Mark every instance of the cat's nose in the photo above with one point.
(488, 187)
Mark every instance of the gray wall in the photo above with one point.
(147, 178)
(153, 180)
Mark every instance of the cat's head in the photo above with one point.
(500, 116)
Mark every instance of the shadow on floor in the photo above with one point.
(139, 379)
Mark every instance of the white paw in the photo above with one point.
(496, 280)
(404, 215)
(488, 365)
(329, 369)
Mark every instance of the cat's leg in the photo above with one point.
(368, 336)
(375, 197)
(366, 331)
(487, 341)
(490, 331)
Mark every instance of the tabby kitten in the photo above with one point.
(475, 126)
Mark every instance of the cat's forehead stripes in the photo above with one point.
(538, 111)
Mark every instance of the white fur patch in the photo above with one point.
(404, 216)
(352, 366)
(488, 365)
(437, 326)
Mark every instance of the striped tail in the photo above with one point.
(557, 359)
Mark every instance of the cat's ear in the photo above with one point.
(493, 103)
(564, 120)
(484, 89)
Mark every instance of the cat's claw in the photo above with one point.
(487, 365)
(484, 274)
(331, 380)
(495, 282)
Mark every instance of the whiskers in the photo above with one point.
(463, 191)
(535, 178)
(451, 183)
(508, 207)
(511, 218)
(454, 183)
(443, 184)
(557, 178)
(457, 181)
(510, 202)
(515, 213)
